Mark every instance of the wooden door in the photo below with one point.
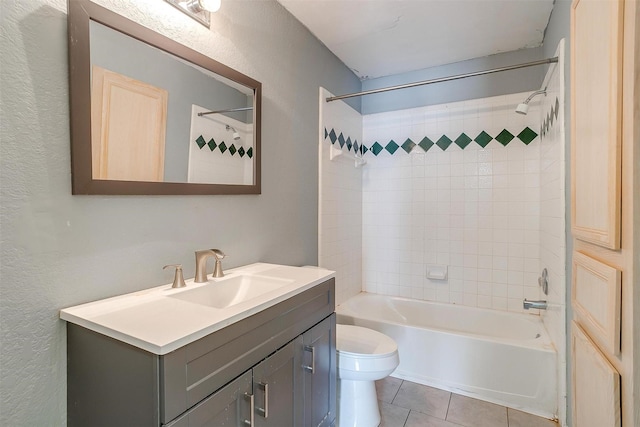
(128, 125)
(605, 124)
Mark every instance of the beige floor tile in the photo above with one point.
(476, 413)
(421, 398)
(392, 416)
(387, 388)
(522, 419)
(418, 419)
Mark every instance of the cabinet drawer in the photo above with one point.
(194, 371)
(230, 406)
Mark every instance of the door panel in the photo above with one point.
(128, 125)
(274, 382)
(319, 365)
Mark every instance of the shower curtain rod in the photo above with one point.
(229, 110)
(444, 79)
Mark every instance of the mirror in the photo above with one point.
(150, 116)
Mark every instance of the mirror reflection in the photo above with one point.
(151, 116)
(158, 118)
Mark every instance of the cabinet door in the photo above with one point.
(596, 384)
(230, 406)
(596, 120)
(277, 403)
(319, 366)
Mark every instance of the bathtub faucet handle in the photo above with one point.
(540, 305)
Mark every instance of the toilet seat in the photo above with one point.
(357, 341)
(364, 354)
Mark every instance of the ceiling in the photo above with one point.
(377, 38)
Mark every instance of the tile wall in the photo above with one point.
(340, 197)
(471, 204)
(552, 216)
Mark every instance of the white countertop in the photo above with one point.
(152, 321)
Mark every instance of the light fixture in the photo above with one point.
(199, 10)
(209, 5)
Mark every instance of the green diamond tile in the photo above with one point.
(241, 151)
(483, 139)
(341, 140)
(356, 147)
(408, 145)
(349, 144)
(391, 147)
(200, 141)
(527, 135)
(555, 112)
(250, 152)
(212, 144)
(425, 144)
(232, 149)
(332, 136)
(504, 137)
(363, 149)
(376, 148)
(463, 140)
(326, 133)
(222, 147)
(444, 142)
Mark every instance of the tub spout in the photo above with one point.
(540, 305)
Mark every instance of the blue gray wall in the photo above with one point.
(502, 83)
(59, 250)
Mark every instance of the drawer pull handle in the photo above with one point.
(264, 411)
(250, 397)
(311, 368)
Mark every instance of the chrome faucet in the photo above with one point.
(201, 264)
(540, 305)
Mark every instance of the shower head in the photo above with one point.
(523, 108)
(236, 135)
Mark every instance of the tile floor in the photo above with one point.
(407, 404)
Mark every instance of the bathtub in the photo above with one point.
(500, 357)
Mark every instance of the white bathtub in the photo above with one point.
(500, 357)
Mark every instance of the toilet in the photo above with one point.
(364, 356)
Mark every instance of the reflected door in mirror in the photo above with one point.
(128, 123)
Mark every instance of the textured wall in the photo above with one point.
(60, 250)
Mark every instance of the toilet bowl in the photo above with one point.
(364, 356)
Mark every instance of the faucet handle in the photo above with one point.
(178, 279)
(218, 254)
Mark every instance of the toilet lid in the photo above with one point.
(363, 342)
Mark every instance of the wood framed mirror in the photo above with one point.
(151, 116)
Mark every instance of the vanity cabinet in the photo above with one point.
(274, 368)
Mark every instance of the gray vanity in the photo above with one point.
(264, 361)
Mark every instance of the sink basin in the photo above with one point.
(231, 291)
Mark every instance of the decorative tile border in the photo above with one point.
(527, 135)
(232, 149)
(550, 119)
